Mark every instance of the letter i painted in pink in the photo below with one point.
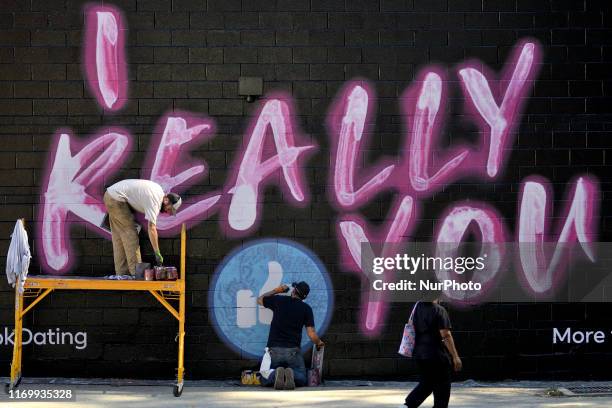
(104, 51)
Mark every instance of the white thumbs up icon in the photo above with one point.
(247, 308)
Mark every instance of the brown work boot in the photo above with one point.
(279, 380)
(289, 379)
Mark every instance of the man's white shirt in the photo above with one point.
(144, 196)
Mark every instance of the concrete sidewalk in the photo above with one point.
(337, 394)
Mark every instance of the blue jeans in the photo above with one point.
(288, 357)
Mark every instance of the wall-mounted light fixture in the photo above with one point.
(251, 87)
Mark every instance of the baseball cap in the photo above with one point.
(301, 288)
(175, 201)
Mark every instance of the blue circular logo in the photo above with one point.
(253, 269)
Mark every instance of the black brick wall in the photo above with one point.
(188, 55)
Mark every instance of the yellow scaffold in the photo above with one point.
(37, 288)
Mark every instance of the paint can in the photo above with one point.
(140, 269)
(171, 273)
(149, 274)
(250, 377)
(160, 273)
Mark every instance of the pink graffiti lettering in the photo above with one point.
(175, 136)
(500, 118)
(106, 69)
(454, 229)
(424, 132)
(352, 232)
(423, 101)
(245, 204)
(539, 275)
(70, 188)
(73, 183)
(347, 150)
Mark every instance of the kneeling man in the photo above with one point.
(291, 313)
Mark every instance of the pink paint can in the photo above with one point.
(172, 273)
(149, 275)
(160, 273)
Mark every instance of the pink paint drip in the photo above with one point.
(245, 203)
(351, 230)
(497, 120)
(106, 70)
(176, 136)
(69, 189)
(540, 275)
(350, 132)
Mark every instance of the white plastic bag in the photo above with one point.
(266, 362)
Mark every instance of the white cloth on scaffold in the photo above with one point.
(18, 257)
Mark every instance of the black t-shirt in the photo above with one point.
(290, 315)
(429, 318)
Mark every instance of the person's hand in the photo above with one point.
(320, 345)
(159, 259)
(283, 289)
(457, 364)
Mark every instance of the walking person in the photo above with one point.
(291, 314)
(435, 355)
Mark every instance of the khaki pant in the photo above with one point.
(126, 250)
